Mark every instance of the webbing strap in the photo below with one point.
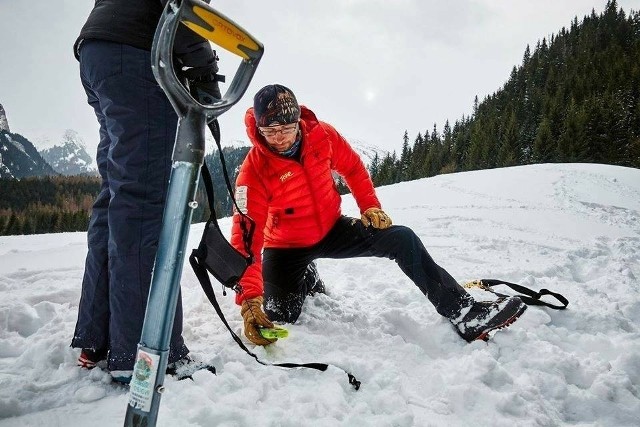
(529, 296)
(203, 278)
(247, 230)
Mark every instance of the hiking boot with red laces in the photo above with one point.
(89, 358)
(487, 316)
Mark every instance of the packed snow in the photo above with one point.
(574, 229)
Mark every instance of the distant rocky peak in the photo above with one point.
(4, 123)
(73, 139)
(367, 151)
(69, 157)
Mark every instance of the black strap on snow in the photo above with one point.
(208, 252)
(528, 296)
(203, 278)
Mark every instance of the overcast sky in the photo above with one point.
(372, 68)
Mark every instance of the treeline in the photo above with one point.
(38, 205)
(233, 157)
(46, 204)
(575, 98)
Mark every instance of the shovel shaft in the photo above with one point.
(153, 351)
(188, 156)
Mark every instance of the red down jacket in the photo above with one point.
(294, 203)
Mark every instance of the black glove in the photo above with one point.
(203, 83)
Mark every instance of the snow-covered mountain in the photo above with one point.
(4, 123)
(19, 158)
(367, 151)
(570, 228)
(70, 157)
(234, 143)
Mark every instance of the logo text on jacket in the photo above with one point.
(286, 176)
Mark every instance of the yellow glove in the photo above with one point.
(376, 218)
(254, 318)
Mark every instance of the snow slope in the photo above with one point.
(571, 228)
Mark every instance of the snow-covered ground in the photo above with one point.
(574, 229)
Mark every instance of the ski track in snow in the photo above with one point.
(574, 229)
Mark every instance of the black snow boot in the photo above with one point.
(186, 367)
(486, 316)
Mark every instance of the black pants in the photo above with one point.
(283, 270)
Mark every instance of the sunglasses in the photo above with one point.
(274, 130)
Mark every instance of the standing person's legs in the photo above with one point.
(92, 326)
(141, 128)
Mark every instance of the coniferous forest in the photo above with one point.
(51, 204)
(222, 204)
(574, 98)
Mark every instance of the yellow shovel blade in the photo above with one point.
(224, 33)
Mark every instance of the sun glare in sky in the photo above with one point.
(369, 95)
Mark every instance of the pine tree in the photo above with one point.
(405, 156)
(433, 161)
(572, 139)
(418, 155)
(508, 153)
(374, 167)
(14, 225)
(448, 163)
(543, 147)
(28, 225)
(526, 57)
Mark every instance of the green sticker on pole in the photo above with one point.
(143, 380)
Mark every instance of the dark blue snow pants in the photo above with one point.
(137, 132)
(283, 270)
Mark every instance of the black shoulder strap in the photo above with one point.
(247, 224)
(528, 296)
(203, 278)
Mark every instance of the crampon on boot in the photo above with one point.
(487, 316)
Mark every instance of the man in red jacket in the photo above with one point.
(286, 185)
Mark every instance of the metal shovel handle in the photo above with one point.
(215, 27)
